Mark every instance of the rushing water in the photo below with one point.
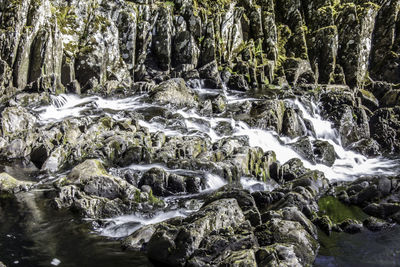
(348, 165)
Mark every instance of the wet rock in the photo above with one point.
(288, 233)
(391, 99)
(374, 224)
(94, 193)
(298, 71)
(351, 226)
(15, 121)
(210, 74)
(293, 169)
(175, 241)
(291, 125)
(267, 115)
(238, 83)
(185, 49)
(304, 147)
(245, 201)
(324, 223)
(350, 120)
(277, 254)
(139, 239)
(385, 123)
(324, 152)
(174, 92)
(166, 184)
(225, 245)
(368, 99)
(367, 147)
(10, 185)
(162, 41)
(219, 104)
(94, 180)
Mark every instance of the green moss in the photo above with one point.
(154, 200)
(137, 196)
(338, 212)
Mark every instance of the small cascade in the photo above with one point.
(190, 122)
(347, 166)
(125, 225)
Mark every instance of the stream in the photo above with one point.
(34, 234)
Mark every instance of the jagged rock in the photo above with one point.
(385, 123)
(355, 27)
(238, 83)
(351, 226)
(298, 71)
(288, 233)
(210, 74)
(277, 255)
(368, 147)
(374, 224)
(293, 169)
(94, 180)
(324, 152)
(165, 184)
(174, 92)
(291, 125)
(391, 99)
(176, 240)
(245, 202)
(162, 41)
(350, 120)
(304, 147)
(368, 100)
(139, 239)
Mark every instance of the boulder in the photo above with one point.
(93, 179)
(176, 240)
(10, 185)
(324, 152)
(139, 239)
(174, 92)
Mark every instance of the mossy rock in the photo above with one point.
(10, 185)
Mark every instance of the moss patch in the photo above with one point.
(338, 212)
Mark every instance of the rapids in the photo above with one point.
(348, 166)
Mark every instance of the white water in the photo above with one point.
(128, 224)
(348, 166)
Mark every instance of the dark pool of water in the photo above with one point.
(365, 249)
(34, 234)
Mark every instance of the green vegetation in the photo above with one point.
(339, 212)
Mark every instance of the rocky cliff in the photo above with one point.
(103, 46)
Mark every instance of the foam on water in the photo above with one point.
(125, 225)
(65, 106)
(254, 185)
(348, 165)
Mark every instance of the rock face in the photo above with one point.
(107, 46)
